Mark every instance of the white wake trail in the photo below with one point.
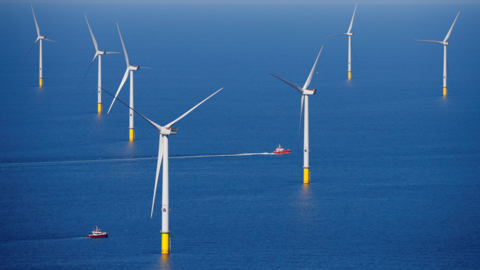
(122, 159)
(227, 155)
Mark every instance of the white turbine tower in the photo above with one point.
(165, 131)
(99, 54)
(305, 93)
(39, 38)
(349, 34)
(130, 70)
(445, 42)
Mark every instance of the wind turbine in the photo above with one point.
(444, 43)
(99, 54)
(41, 38)
(349, 34)
(305, 93)
(165, 131)
(130, 70)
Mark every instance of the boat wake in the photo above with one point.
(227, 155)
(13, 164)
(45, 239)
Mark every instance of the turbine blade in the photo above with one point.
(351, 23)
(29, 51)
(91, 33)
(307, 83)
(36, 24)
(86, 73)
(301, 112)
(344, 34)
(431, 41)
(159, 164)
(146, 67)
(95, 57)
(124, 50)
(49, 40)
(112, 53)
(450, 31)
(289, 83)
(183, 115)
(119, 88)
(157, 126)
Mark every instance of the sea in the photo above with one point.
(395, 166)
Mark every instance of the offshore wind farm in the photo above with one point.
(98, 54)
(40, 40)
(128, 73)
(394, 163)
(306, 131)
(445, 42)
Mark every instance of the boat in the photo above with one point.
(281, 151)
(97, 233)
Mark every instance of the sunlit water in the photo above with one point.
(395, 166)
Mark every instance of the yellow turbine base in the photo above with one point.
(165, 243)
(99, 108)
(131, 135)
(41, 82)
(444, 91)
(306, 175)
(349, 75)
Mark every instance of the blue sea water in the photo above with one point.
(395, 166)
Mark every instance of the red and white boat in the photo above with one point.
(97, 233)
(281, 151)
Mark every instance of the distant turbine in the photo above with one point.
(99, 54)
(349, 34)
(305, 93)
(41, 38)
(129, 69)
(165, 131)
(444, 43)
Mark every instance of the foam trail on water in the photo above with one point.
(122, 159)
(227, 155)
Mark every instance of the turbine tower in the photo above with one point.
(165, 131)
(39, 38)
(349, 34)
(305, 93)
(445, 42)
(99, 54)
(130, 70)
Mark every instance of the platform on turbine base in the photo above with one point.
(444, 91)
(99, 108)
(131, 135)
(306, 175)
(165, 243)
(41, 82)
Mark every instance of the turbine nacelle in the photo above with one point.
(101, 52)
(43, 38)
(309, 92)
(133, 67)
(350, 34)
(168, 130)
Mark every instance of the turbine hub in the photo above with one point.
(350, 34)
(133, 67)
(168, 130)
(101, 52)
(310, 92)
